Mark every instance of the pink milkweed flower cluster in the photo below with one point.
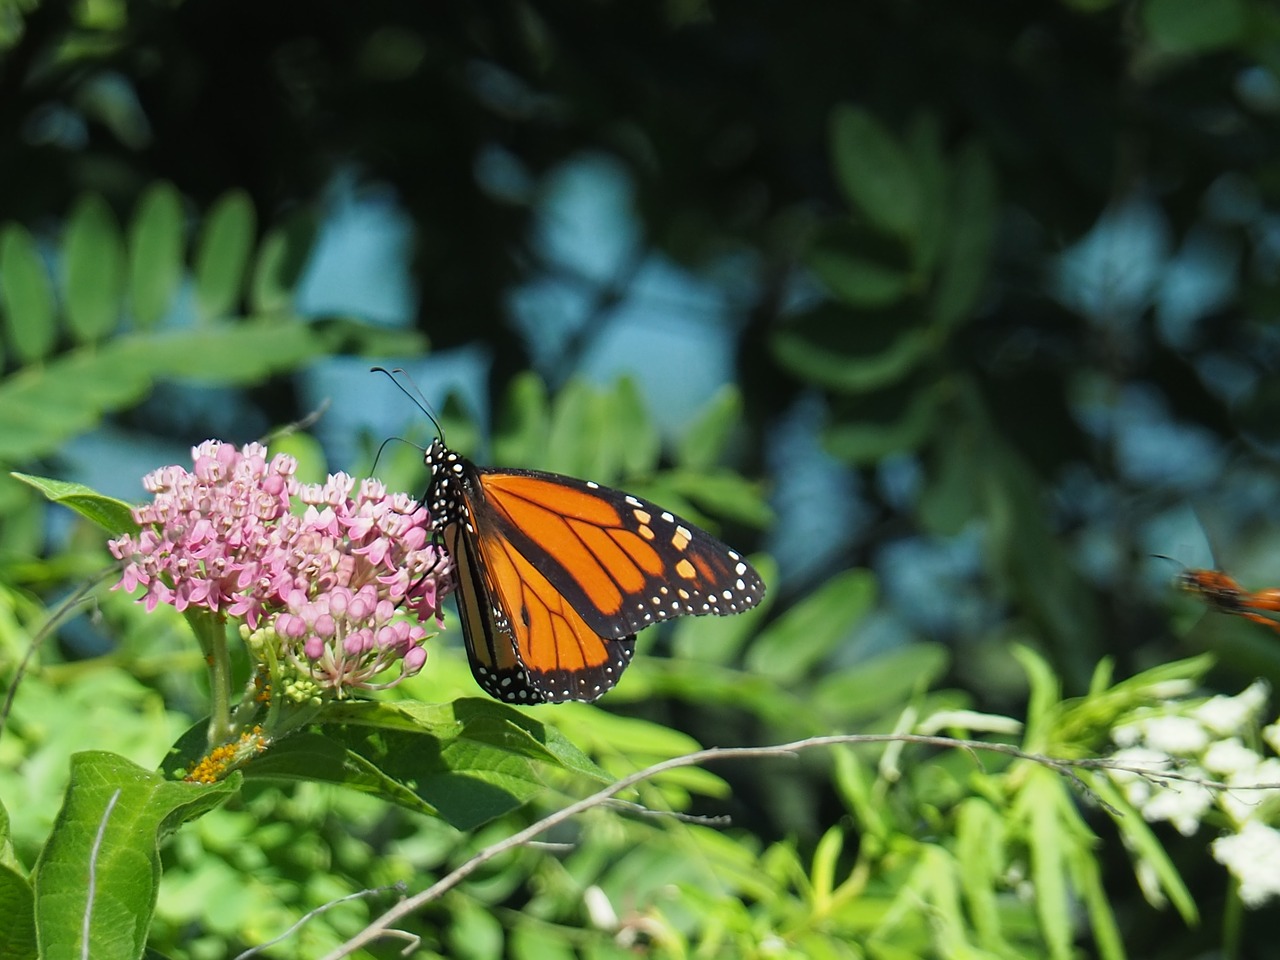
(328, 569)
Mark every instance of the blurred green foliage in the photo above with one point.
(893, 187)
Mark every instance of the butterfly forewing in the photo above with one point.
(622, 562)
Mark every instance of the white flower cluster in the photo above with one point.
(1206, 741)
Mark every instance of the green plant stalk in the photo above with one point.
(211, 632)
(1232, 922)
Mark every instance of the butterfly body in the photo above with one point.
(556, 575)
(1221, 592)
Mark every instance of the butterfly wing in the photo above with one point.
(524, 642)
(556, 575)
(622, 562)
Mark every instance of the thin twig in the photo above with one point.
(37, 640)
(379, 926)
(312, 914)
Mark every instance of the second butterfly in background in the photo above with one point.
(1222, 593)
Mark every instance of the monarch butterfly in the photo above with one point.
(1221, 592)
(554, 575)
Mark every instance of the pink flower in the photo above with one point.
(334, 575)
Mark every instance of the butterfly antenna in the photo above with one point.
(395, 376)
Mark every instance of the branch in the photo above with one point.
(381, 926)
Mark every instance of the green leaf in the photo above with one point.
(806, 634)
(114, 516)
(525, 424)
(1145, 848)
(17, 916)
(157, 244)
(94, 262)
(882, 424)
(980, 852)
(43, 406)
(1086, 874)
(880, 685)
(963, 271)
(27, 295)
(858, 280)
(468, 761)
(852, 353)
(578, 422)
(222, 253)
(1037, 806)
(635, 436)
(874, 172)
(282, 258)
(222, 353)
(1193, 26)
(17, 904)
(928, 158)
(721, 492)
(96, 879)
(703, 442)
(951, 497)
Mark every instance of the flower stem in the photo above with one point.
(211, 630)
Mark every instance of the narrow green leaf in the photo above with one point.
(114, 516)
(27, 295)
(96, 879)
(951, 496)
(859, 281)
(825, 857)
(980, 853)
(1193, 26)
(1087, 876)
(962, 274)
(157, 245)
(1037, 808)
(222, 253)
(94, 264)
(924, 145)
(875, 172)
(1046, 695)
(806, 634)
(1145, 848)
(852, 353)
(881, 684)
(703, 442)
(282, 258)
(223, 353)
(890, 422)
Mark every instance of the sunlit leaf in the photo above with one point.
(114, 516)
(223, 250)
(27, 295)
(157, 244)
(94, 262)
(96, 880)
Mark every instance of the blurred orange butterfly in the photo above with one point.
(554, 575)
(1222, 593)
